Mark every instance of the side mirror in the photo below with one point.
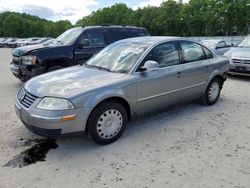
(149, 65)
(83, 43)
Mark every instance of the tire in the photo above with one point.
(107, 122)
(212, 92)
(53, 68)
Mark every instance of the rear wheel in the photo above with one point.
(212, 92)
(107, 122)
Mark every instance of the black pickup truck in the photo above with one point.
(74, 46)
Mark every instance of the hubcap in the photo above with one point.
(109, 124)
(214, 91)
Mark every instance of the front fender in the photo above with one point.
(103, 95)
(90, 101)
(212, 75)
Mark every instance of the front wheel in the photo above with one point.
(212, 92)
(107, 122)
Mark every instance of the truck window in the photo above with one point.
(138, 32)
(95, 37)
(115, 35)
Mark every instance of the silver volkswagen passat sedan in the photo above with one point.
(127, 78)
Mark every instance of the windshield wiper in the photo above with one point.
(243, 46)
(98, 67)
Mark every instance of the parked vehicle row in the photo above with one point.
(220, 47)
(239, 55)
(74, 46)
(17, 42)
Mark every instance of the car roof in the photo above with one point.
(150, 39)
(215, 40)
(113, 26)
(108, 26)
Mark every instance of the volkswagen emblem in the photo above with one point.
(242, 61)
(21, 94)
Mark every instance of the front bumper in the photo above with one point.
(25, 72)
(240, 69)
(49, 123)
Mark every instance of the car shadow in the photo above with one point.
(241, 78)
(143, 125)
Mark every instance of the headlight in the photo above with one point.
(50, 103)
(228, 56)
(29, 60)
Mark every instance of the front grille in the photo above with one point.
(243, 61)
(25, 98)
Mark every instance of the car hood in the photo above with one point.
(70, 82)
(238, 53)
(27, 49)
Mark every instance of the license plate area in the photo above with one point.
(241, 68)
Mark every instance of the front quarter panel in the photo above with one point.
(88, 101)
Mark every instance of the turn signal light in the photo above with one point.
(68, 118)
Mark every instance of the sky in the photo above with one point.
(67, 10)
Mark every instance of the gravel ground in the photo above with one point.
(184, 146)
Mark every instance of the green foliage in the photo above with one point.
(24, 25)
(175, 18)
(195, 18)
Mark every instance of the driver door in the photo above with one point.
(160, 87)
(96, 43)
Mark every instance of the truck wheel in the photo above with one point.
(212, 92)
(107, 122)
(53, 68)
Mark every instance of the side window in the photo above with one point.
(138, 32)
(115, 35)
(229, 44)
(165, 54)
(95, 37)
(208, 53)
(191, 52)
(221, 44)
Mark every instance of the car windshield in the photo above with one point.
(69, 36)
(245, 42)
(118, 57)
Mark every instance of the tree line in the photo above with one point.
(172, 18)
(23, 25)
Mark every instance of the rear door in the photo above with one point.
(196, 63)
(96, 43)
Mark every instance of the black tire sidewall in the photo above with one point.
(207, 100)
(96, 114)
